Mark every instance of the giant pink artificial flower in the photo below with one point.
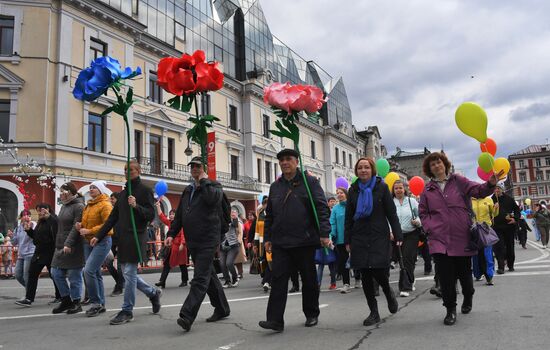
(294, 98)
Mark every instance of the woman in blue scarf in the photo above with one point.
(367, 236)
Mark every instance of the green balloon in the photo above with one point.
(353, 179)
(382, 167)
(486, 161)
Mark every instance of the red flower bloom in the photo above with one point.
(189, 74)
(294, 98)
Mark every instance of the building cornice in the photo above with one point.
(106, 13)
(149, 119)
(14, 82)
(157, 46)
(329, 131)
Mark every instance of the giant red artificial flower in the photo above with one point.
(189, 74)
(294, 98)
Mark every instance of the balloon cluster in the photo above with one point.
(471, 119)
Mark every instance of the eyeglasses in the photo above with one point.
(193, 166)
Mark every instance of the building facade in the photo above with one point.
(410, 163)
(45, 44)
(530, 174)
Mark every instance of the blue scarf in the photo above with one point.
(364, 202)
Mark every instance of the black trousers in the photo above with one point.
(119, 277)
(166, 270)
(205, 281)
(284, 260)
(294, 279)
(371, 276)
(425, 252)
(343, 256)
(266, 278)
(504, 248)
(448, 270)
(35, 269)
(409, 250)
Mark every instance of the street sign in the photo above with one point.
(211, 155)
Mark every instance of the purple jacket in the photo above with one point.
(445, 216)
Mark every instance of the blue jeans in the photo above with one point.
(332, 269)
(22, 266)
(131, 282)
(92, 271)
(75, 280)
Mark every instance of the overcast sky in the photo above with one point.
(407, 65)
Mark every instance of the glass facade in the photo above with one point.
(236, 33)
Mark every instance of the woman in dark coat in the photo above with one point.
(444, 210)
(367, 236)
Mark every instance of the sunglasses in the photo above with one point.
(193, 166)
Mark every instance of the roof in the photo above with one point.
(533, 149)
(400, 153)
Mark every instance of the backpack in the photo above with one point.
(225, 214)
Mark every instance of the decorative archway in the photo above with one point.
(8, 216)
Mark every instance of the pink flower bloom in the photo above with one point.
(294, 98)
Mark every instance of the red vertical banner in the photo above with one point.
(211, 155)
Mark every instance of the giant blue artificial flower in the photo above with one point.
(94, 81)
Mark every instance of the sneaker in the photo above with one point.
(266, 287)
(490, 282)
(332, 286)
(155, 301)
(116, 292)
(160, 284)
(543, 247)
(65, 304)
(122, 317)
(500, 271)
(227, 285)
(55, 301)
(95, 310)
(184, 323)
(414, 286)
(404, 294)
(358, 284)
(24, 302)
(294, 289)
(183, 284)
(75, 307)
(345, 289)
(235, 284)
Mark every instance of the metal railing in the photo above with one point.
(151, 166)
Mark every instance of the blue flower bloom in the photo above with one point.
(94, 81)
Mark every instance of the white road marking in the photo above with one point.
(525, 267)
(323, 306)
(544, 254)
(231, 345)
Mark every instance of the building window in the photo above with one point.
(233, 117)
(313, 155)
(337, 152)
(205, 104)
(171, 150)
(537, 162)
(350, 160)
(275, 170)
(267, 172)
(5, 120)
(539, 176)
(266, 126)
(96, 132)
(344, 158)
(155, 153)
(259, 163)
(234, 167)
(522, 177)
(138, 142)
(521, 164)
(547, 174)
(6, 35)
(542, 191)
(97, 48)
(155, 91)
(524, 191)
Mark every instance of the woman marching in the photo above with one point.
(407, 212)
(483, 263)
(176, 255)
(229, 249)
(337, 220)
(444, 211)
(367, 235)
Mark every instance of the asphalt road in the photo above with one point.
(512, 314)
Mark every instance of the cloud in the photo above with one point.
(408, 65)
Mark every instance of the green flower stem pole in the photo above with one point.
(129, 182)
(202, 141)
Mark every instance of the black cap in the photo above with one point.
(195, 160)
(288, 152)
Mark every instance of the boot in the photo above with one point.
(374, 317)
(467, 304)
(392, 301)
(450, 318)
(76, 307)
(436, 289)
(66, 304)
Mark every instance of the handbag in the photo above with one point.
(255, 268)
(421, 233)
(481, 234)
(324, 256)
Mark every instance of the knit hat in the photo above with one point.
(101, 186)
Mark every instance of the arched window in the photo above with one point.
(8, 210)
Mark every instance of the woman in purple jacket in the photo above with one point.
(444, 211)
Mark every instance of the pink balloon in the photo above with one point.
(483, 175)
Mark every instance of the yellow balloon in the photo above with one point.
(390, 179)
(528, 201)
(471, 119)
(501, 164)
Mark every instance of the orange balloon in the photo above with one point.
(489, 146)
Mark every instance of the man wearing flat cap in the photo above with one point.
(292, 235)
(198, 214)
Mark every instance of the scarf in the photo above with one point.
(364, 202)
(69, 199)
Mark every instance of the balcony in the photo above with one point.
(175, 171)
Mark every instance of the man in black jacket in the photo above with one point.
(142, 203)
(292, 235)
(199, 214)
(505, 225)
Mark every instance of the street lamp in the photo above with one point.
(188, 151)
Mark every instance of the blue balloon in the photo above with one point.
(161, 188)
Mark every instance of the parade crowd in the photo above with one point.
(368, 229)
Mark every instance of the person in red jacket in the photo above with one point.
(174, 255)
